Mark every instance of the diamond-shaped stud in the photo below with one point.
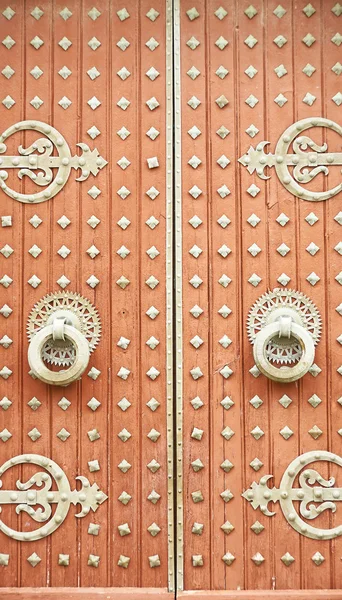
(337, 39)
(5, 404)
(8, 72)
(93, 404)
(279, 11)
(63, 281)
(280, 100)
(252, 131)
(227, 433)
(152, 103)
(280, 41)
(192, 13)
(124, 466)
(308, 40)
(253, 190)
(221, 42)
(257, 528)
(194, 102)
(152, 44)
(256, 464)
(312, 248)
(123, 14)
(224, 311)
(34, 281)
(285, 401)
(223, 191)
(253, 220)
(34, 434)
(286, 432)
(287, 559)
(258, 559)
(94, 43)
(309, 99)
(257, 432)
(35, 221)
(250, 11)
(220, 13)
(222, 101)
(318, 558)
(152, 133)
(8, 102)
(36, 42)
(283, 249)
(63, 434)
(315, 432)
(251, 101)
(65, 43)
(337, 9)
(93, 281)
(5, 435)
(337, 99)
(36, 102)
(65, 102)
(308, 70)
(64, 403)
(64, 72)
(227, 527)
(65, 14)
(251, 71)
(34, 559)
(256, 401)
(254, 279)
(94, 13)
(94, 103)
(313, 278)
(193, 72)
(314, 400)
(124, 222)
(228, 558)
(8, 42)
(152, 73)
(251, 41)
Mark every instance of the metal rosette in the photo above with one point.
(268, 307)
(84, 316)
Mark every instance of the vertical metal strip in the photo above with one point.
(169, 295)
(178, 295)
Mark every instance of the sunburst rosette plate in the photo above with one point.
(84, 316)
(267, 309)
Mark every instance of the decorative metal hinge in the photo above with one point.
(38, 502)
(322, 497)
(37, 162)
(308, 159)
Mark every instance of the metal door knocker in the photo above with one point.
(63, 329)
(284, 326)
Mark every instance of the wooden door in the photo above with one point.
(98, 75)
(171, 232)
(247, 72)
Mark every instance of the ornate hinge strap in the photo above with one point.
(38, 503)
(314, 499)
(308, 159)
(37, 162)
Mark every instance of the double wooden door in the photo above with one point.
(172, 232)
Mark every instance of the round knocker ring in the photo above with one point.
(60, 330)
(283, 374)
